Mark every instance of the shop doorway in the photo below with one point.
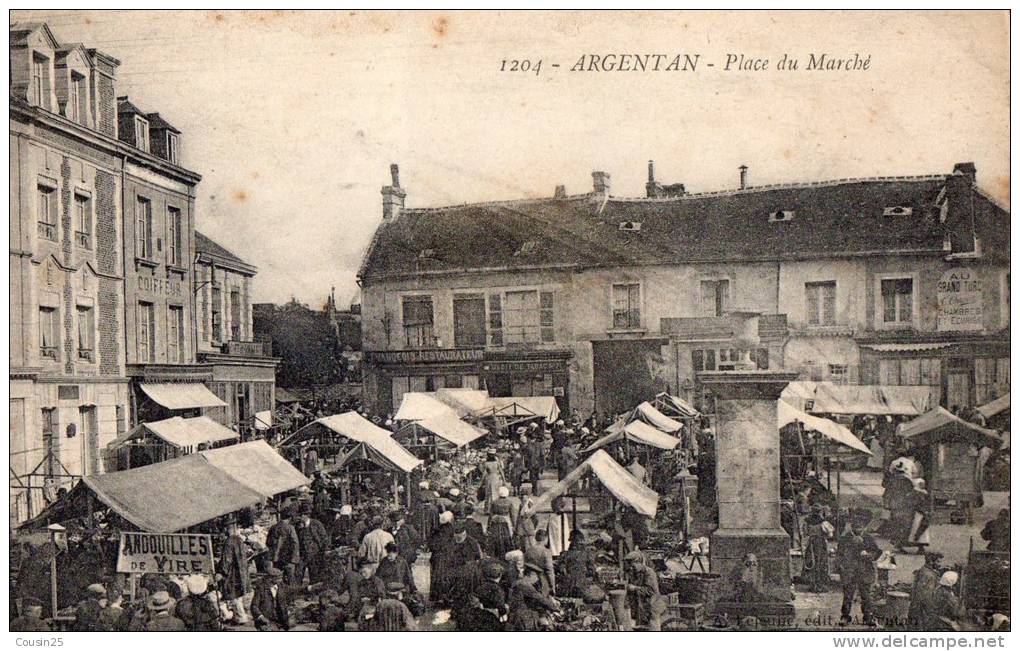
(623, 375)
(957, 389)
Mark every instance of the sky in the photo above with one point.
(293, 118)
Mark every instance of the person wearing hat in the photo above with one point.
(393, 568)
(235, 581)
(161, 619)
(500, 538)
(534, 457)
(365, 591)
(465, 514)
(342, 528)
(492, 473)
(284, 546)
(516, 468)
(465, 546)
(537, 553)
(643, 597)
(816, 550)
(314, 542)
(441, 562)
(330, 617)
(406, 536)
(86, 614)
(271, 604)
(373, 545)
(526, 604)
(578, 564)
(391, 614)
(855, 558)
(196, 610)
(568, 457)
(110, 617)
(946, 608)
(31, 620)
(487, 603)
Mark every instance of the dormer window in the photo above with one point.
(142, 133)
(40, 65)
(781, 216)
(632, 227)
(171, 148)
(897, 211)
(426, 254)
(77, 101)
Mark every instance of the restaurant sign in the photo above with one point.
(165, 553)
(960, 301)
(430, 355)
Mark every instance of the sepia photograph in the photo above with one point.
(511, 321)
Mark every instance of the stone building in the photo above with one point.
(602, 300)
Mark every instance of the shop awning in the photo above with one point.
(680, 407)
(450, 428)
(384, 452)
(160, 498)
(646, 412)
(907, 348)
(181, 395)
(872, 399)
(787, 414)
(940, 426)
(544, 407)
(184, 433)
(257, 466)
(623, 485)
(638, 432)
(995, 407)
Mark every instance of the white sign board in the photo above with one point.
(165, 553)
(960, 301)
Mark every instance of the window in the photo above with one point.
(46, 211)
(143, 228)
(141, 133)
(146, 332)
(912, 372)
(235, 315)
(418, 322)
(171, 147)
(627, 305)
(838, 373)
(39, 69)
(77, 101)
(495, 320)
(468, 320)
(522, 319)
(83, 220)
(173, 253)
(703, 360)
(86, 333)
(821, 303)
(175, 334)
(991, 377)
(49, 332)
(217, 301)
(726, 359)
(897, 300)
(715, 297)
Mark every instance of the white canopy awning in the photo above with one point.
(639, 432)
(544, 407)
(452, 429)
(185, 433)
(418, 405)
(787, 414)
(646, 412)
(672, 403)
(995, 407)
(181, 395)
(623, 485)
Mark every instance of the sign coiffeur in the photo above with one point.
(960, 299)
(165, 553)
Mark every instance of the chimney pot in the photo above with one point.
(600, 182)
(561, 192)
(743, 177)
(651, 171)
(966, 169)
(393, 196)
(395, 175)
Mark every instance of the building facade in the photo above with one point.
(602, 301)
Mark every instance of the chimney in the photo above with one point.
(561, 192)
(743, 177)
(652, 188)
(600, 181)
(966, 169)
(393, 196)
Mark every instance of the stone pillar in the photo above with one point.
(748, 482)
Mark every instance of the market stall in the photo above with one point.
(440, 434)
(329, 437)
(166, 439)
(948, 448)
(646, 413)
(257, 466)
(503, 413)
(379, 454)
(996, 413)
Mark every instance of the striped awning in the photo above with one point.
(907, 348)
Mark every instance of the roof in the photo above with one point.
(204, 244)
(786, 414)
(623, 485)
(418, 405)
(639, 432)
(681, 408)
(182, 432)
(181, 395)
(19, 33)
(125, 106)
(941, 426)
(156, 122)
(257, 466)
(837, 217)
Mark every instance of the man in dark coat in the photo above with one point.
(856, 557)
(314, 542)
(31, 621)
(406, 536)
(534, 457)
(233, 567)
(366, 591)
(284, 546)
(395, 569)
(526, 604)
(161, 618)
(441, 559)
(86, 614)
(271, 604)
(578, 564)
(996, 532)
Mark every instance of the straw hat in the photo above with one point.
(96, 589)
(160, 601)
(197, 584)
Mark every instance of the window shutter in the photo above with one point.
(698, 360)
(829, 303)
(812, 303)
(495, 320)
(545, 318)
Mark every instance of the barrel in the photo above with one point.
(698, 588)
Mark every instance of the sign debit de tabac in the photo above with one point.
(165, 553)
